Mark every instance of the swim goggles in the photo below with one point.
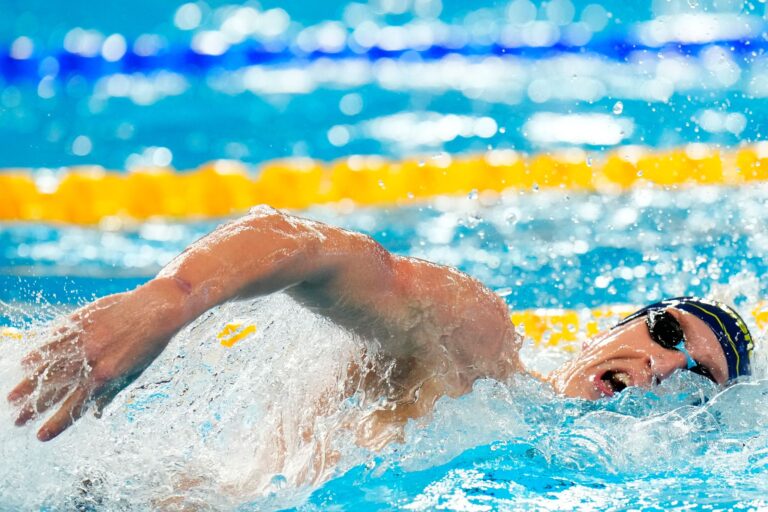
(665, 330)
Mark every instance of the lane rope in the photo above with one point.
(107, 55)
(90, 195)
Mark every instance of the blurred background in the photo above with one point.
(125, 85)
(129, 86)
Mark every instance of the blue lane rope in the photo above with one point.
(184, 60)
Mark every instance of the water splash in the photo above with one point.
(535, 450)
(206, 423)
(269, 424)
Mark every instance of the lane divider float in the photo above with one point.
(89, 195)
(104, 56)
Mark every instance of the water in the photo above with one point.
(204, 424)
(267, 423)
(550, 248)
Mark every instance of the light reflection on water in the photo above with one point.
(550, 248)
(200, 425)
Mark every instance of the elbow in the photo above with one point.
(171, 286)
(169, 295)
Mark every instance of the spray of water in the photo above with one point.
(272, 420)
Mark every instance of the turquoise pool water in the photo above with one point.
(209, 412)
(199, 427)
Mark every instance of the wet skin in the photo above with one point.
(628, 356)
(436, 329)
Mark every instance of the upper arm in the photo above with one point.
(413, 308)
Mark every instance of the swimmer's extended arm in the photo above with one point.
(430, 315)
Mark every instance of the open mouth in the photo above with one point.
(614, 381)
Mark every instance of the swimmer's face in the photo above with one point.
(627, 356)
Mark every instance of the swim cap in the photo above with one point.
(729, 328)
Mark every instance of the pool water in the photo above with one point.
(208, 411)
(218, 427)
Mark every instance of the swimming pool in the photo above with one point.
(198, 427)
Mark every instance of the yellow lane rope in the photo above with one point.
(563, 328)
(88, 195)
(235, 331)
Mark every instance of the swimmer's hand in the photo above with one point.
(101, 348)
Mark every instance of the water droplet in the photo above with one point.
(502, 130)
(639, 174)
(421, 163)
(693, 3)
(472, 221)
(535, 186)
(510, 217)
(589, 161)
(503, 292)
(278, 481)
(382, 185)
(410, 195)
(472, 194)
(618, 108)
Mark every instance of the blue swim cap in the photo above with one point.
(729, 328)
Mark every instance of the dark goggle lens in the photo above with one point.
(664, 329)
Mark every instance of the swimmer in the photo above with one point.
(438, 329)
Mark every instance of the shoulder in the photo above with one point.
(472, 322)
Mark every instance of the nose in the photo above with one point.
(664, 362)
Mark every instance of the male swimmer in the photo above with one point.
(437, 329)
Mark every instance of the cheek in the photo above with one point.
(596, 342)
(601, 347)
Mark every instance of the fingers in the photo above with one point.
(48, 384)
(22, 390)
(38, 405)
(69, 412)
(51, 362)
(27, 386)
